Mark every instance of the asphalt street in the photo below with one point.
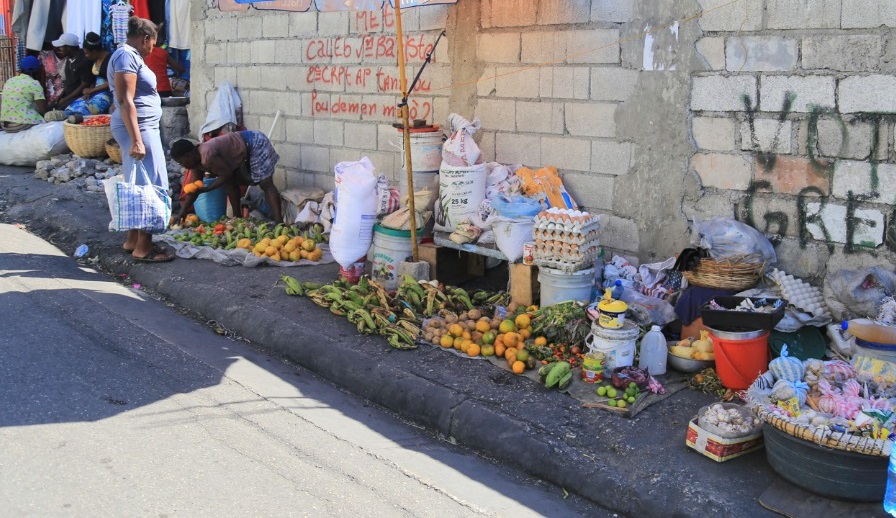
(113, 403)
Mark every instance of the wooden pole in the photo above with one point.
(407, 130)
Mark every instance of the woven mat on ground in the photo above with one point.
(788, 500)
(238, 257)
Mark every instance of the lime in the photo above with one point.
(621, 404)
(601, 391)
(632, 385)
(612, 402)
(630, 399)
(611, 392)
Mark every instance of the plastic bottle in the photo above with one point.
(890, 495)
(617, 290)
(653, 352)
(867, 330)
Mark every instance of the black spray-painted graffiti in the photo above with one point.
(776, 223)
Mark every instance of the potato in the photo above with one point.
(463, 316)
(474, 314)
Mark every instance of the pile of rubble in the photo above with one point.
(88, 173)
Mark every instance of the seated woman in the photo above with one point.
(97, 98)
(23, 103)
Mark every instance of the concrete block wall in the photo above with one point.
(793, 128)
(777, 112)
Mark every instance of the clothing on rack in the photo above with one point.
(83, 16)
(119, 13)
(106, 34)
(141, 8)
(179, 24)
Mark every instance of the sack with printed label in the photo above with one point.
(356, 206)
(460, 150)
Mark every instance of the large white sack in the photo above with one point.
(28, 147)
(356, 204)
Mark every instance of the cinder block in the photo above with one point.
(333, 23)
(723, 171)
(517, 82)
(216, 53)
(766, 135)
(302, 24)
(360, 135)
(508, 13)
(290, 155)
(862, 14)
(295, 78)
(224, 74)
(613, 158)
(513, 148)
(432, 18)
(590, 190)
(875, 94)
(591, 119)
(593, 46)
(713, 133)
(499, 47)
(717, 93)
(853, 53)
(806, 261)
(844, 140)
(556, 12)
(621, 234)
(613, 83)
(275, 26)
(566, 154)
(771, 214)
(486, 143)
(857, 177)
(497, 114)
(613, 11)
(248, 76)
(239, 53)
(564, 82)
(712, 49)
(867, 224)
(800, 14)
(299, 131)
(539, 117)
(543, 47)
(486, 86)
(264, 51)
(792, 175)
(316, 159)
(249, 27)
(809, 91)
(727, 16)
(289, 52)
(761, 54)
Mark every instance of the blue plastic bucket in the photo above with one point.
(210, 206)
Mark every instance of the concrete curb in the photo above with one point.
(540, 431)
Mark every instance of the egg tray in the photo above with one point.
(564, 252)
(566, 237)
(574, 228)
(801, 294)
(730, 319)
(559, 247)
(566, 265)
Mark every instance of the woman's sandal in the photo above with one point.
(156, 255)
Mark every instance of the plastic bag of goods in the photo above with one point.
(27, 147)
(511, 234)
(356, 206)
(460, 150)
(730, 240)
(545, 184)
(461, 191)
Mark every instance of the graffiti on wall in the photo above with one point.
(818, 216)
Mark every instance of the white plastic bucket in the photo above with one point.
(422, 180)
(618, 345)
(557, 286)
(461, 191)
(390, 247)
(426, 151)
(511, 235)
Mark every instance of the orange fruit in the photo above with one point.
(510, 354)
(446, 341)
(522, 321)
(476, 336)
(473, 350)
(270, 251)
(507, 326)
(511, 339)
(458, 342)
(525, 334)
(465, 345)
(541, 341)
(467, 335)
(455, 330)
(483, 326)
(488, 350)
(499, 349)
(488, 338)
(518, 367)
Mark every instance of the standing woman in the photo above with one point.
(135, 124)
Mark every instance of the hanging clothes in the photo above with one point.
(37, 25)
(83, 16)
(106, 34)
(52, 83)
(119, 14)
(141, 8)
(21, 14)
(157, 12)
(179, 24)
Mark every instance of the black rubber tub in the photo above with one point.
(830, 473)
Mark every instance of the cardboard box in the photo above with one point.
(718, 448)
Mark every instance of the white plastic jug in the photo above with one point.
(653, 352)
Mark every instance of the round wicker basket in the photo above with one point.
(113, 150)
(86, 141)
(825, 437)
(725, 275)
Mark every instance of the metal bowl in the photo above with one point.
(687, 364)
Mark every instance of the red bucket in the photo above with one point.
(740, 356)
(354, 272)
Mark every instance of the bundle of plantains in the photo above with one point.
(397, 317)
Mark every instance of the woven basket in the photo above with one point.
(86, 141)
(825, 437)
(113, 150)
(725, 275)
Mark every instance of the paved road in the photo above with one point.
(113, 404)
